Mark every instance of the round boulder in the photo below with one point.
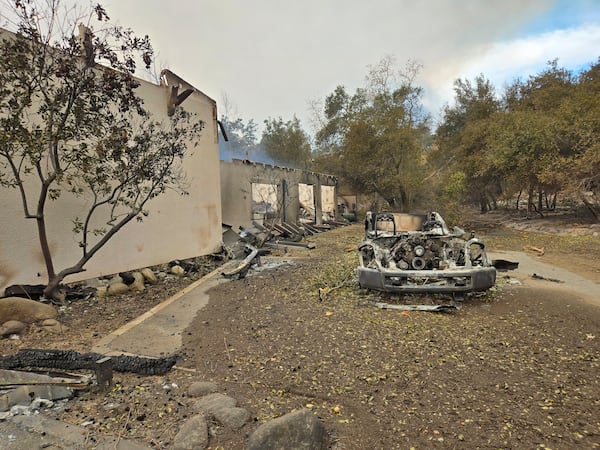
(53, 326)
(117, 288)
(192, 435)
(12, 327)
(138, 282)
(177, 270)
(101, 291)
(25, 310)
(298, 430)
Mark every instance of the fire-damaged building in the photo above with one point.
(177, 226)
(255, 192)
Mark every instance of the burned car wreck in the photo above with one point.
(412, 253)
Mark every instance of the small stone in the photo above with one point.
(115, 408)
(137, 286)
(50, 323)
(12, 327)
(116, 279)
(148, 275)
(212, 402)
(202, 388)
(138, 277)
(53, 326)
(117, 288)
(177, 270)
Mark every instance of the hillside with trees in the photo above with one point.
(532, 145)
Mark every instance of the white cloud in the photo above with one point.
(271, 57)
(505, 61)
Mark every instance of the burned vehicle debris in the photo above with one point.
(414, 253)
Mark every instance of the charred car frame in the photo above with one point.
(415, 253)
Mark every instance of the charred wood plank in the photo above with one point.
(282, 231)
(30, 291)
(72, 360)
(282, 244)
(292, 234)
(295, 229)
(36, 291)
(312, 228)
(259, 227)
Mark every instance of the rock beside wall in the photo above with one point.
(25, 310)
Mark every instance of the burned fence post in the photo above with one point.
(103, 369)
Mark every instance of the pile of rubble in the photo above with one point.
(250, 243)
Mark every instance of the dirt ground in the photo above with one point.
(514, 368)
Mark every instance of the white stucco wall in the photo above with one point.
(177, 227)
(238, 178)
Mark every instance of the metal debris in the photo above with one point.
(242, 269)
(432, 308)
(504, 265)
(535, 276)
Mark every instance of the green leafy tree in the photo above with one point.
(286, 142)
(375, 140)
(542, 139)
(339, 109)
(462, 138)
(72, 125)
(522, 146)
(539, 103)
(580, 168)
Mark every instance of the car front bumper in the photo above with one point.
(428, 281)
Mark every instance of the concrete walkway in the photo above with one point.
(528, 265)
(158, 332)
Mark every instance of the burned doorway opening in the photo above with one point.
(316, 205)
(306, 194)
(265, 202)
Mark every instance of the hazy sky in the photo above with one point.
(271, 57)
